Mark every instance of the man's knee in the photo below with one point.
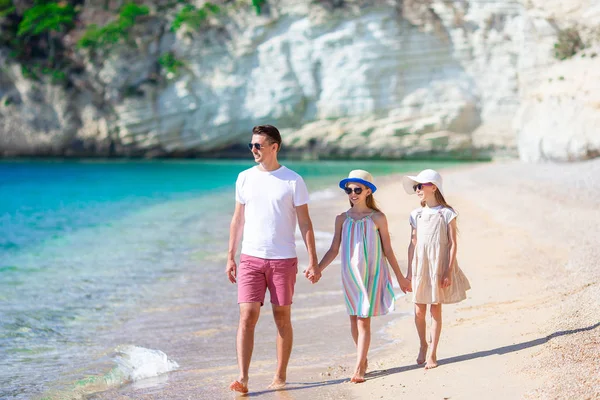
(249, 315)
(282, 316)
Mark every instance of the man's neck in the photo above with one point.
(269, 166)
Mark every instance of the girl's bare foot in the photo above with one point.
(359, 374)
(277, 383)
(422, 354)
(431, 362)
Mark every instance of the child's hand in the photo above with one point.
(405, 285)
(446, 279)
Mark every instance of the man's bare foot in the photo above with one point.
(431, 363)
(422, 354)
(277, 383)
(357, 378)
(239, 386)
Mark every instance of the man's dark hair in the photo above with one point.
(270, 132)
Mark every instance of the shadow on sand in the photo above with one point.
(486, 353)
(293, 386)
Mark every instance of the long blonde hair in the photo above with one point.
(439, 197)
(371, 203)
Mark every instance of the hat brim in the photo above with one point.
(409, 181)
(368, 184)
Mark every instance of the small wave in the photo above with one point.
(133, 364)
(137, 363)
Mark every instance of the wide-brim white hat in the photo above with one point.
(425, 176)
(359, 176)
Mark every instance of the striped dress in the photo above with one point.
(365, 274)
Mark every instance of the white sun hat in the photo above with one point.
(425, 176)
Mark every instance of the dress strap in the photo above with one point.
(417, 217)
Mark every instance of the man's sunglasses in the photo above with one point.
(419, 186)
(257, 146)
(357, 190)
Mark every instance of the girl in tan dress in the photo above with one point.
(432, 266)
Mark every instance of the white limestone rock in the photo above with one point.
(559, 120)
(373, 78)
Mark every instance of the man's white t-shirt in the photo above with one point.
(269, 199)
(448, 214)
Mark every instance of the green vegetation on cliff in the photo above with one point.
(51, 38)
(194, 17)
(6, 7)
(115, 31)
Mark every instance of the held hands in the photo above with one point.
(405, 284)
(230, 270)
(313, 273)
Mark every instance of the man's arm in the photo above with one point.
(235, 235)
(308, 235)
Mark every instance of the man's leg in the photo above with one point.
(249, 313)
(281, 279)
(251, 295)
(285, 339)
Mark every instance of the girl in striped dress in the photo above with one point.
(362, 233)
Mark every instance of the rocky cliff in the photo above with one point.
(340, 78)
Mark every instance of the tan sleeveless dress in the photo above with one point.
(430, 260)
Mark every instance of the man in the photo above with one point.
(269, 199)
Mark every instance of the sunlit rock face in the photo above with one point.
(365, 78)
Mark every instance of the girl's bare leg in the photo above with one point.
(354, 330)
(436, 328)
(362, 348)
(420, 312)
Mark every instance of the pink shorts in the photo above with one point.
(255, 275)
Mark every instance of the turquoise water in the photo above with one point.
(84, 246)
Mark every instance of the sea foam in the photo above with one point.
(135, 363)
